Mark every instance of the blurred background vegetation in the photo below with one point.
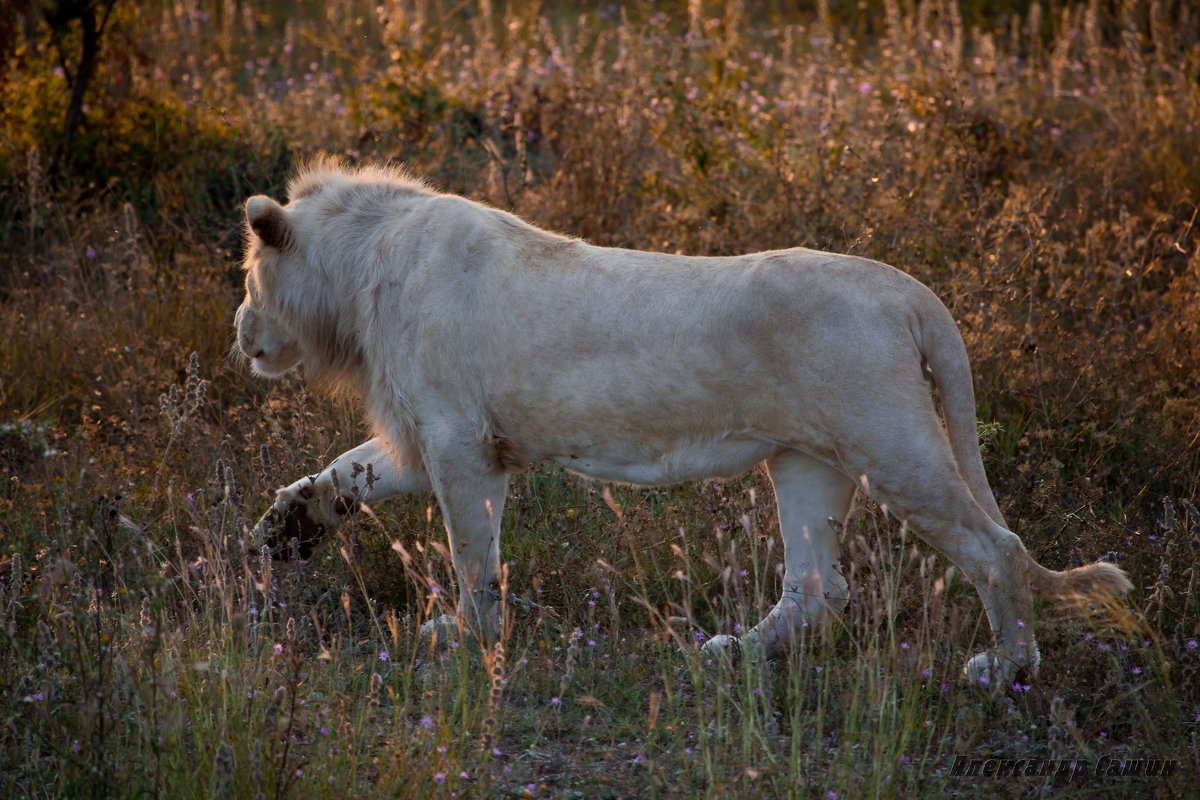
(1035, 164)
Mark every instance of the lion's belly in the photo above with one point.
(718, 457)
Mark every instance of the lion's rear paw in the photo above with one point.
(441, 633)
(997, 672)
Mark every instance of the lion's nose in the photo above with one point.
(260, 353)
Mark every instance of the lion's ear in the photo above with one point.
(269, 221)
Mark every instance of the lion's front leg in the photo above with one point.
(307, 511)
(471, 493)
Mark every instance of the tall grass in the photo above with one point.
(1037, 169)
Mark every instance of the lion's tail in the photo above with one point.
(1098, 583)
(942, 346)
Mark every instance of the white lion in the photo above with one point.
(480, 344)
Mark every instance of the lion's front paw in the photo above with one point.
(441, 633)
(298, 515)
(721, 649)
(281, 526)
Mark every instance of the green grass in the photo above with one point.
(1038, 174)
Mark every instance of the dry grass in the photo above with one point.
(1039, 171)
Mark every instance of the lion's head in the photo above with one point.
(308, 264)
(266, 343)
(289, 315)
(262, 333)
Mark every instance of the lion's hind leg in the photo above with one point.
(996, 562)
(922, 485)
(814, 500)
